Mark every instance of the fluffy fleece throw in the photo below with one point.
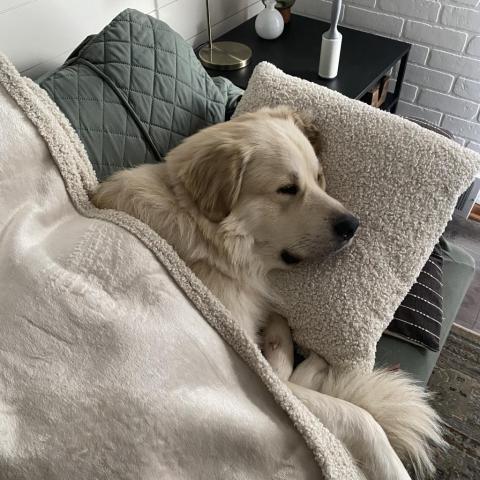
(403, 182)
(115, 361)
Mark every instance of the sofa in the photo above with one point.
(114, 112)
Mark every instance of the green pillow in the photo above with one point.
(134, 91)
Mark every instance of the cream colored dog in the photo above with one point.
(240, 199)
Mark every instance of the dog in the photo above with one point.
(242, 198)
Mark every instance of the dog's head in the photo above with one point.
(259, 175)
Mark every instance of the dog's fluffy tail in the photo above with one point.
(400, 406)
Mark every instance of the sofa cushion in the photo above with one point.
(401, 180)
(134, 91)
(419, 317)
(458, 271)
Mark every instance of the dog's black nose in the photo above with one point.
(345, 226)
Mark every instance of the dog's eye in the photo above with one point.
(291, 189)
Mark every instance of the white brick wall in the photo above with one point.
(442, 81)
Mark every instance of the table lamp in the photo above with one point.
(223, 55)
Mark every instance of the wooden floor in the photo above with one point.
(475, 213)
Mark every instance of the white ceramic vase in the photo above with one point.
(269, 22)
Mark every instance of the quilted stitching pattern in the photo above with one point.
(106, 128)
(140, 61)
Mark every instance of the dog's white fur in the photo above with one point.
(223, 199)
(392, 399)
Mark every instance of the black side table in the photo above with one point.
(364, 60)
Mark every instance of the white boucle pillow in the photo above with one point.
(400, 179)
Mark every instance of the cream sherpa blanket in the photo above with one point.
(115, 361)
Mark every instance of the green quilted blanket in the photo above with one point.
(134, 91)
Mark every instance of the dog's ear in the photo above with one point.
(305, 123)
(212, 176)
(303, 120)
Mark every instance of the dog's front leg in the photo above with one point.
(278, 350)
(278, 346)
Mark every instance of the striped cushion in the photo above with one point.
(418, 319)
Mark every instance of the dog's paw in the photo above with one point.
(271, 344)
(278, 346)
(311, 372)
